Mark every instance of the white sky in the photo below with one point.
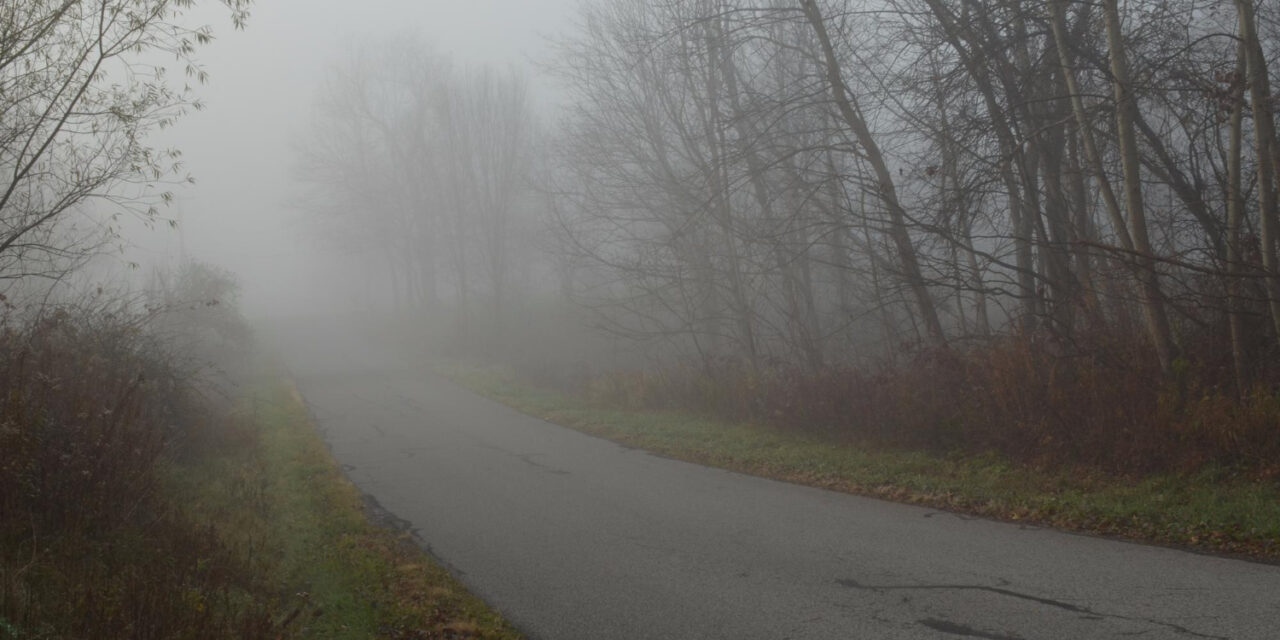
(263, 82)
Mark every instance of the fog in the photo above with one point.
(1018, 260)
(243, 211)
(705, 186)
(765, 184)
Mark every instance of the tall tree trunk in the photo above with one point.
(1046, 121)
(1264, 126)
(1063, 282)
(1058, 22)
(841, 258)
(1011, 164)
(721, 206)
(1148, 279)
(1235, 216)
(792, 268)
(1140, 259)
(1082, 232)
(955, 200)
(886, 190)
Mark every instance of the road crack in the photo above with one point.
(527, 458)
(1087, 613)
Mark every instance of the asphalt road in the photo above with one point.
(572, 536)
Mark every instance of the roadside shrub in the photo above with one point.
(93, 407)
(1023, 397)
(90, 406)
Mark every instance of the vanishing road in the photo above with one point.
(575, 537)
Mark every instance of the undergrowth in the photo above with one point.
(1025, 399)
(138, 500)
(94, 412)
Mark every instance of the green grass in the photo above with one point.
(1212, 510)
(248, 530)
(285, 503)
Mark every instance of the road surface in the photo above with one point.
(572, 536)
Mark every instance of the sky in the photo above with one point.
(263, 82)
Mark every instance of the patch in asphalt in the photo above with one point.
(961, 630)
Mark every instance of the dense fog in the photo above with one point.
(319, 316)
(246, 210)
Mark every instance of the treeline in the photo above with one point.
(1046, 228)
(819, 182)
(419, 172)
(1042, 227)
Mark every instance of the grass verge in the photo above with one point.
(339, 575)
(1213, 510)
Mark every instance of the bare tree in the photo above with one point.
(425, 167)
(490, 128)
(886, 190)
(761, 181)
(77, 103)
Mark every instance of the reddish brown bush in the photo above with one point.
(1026, 398)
